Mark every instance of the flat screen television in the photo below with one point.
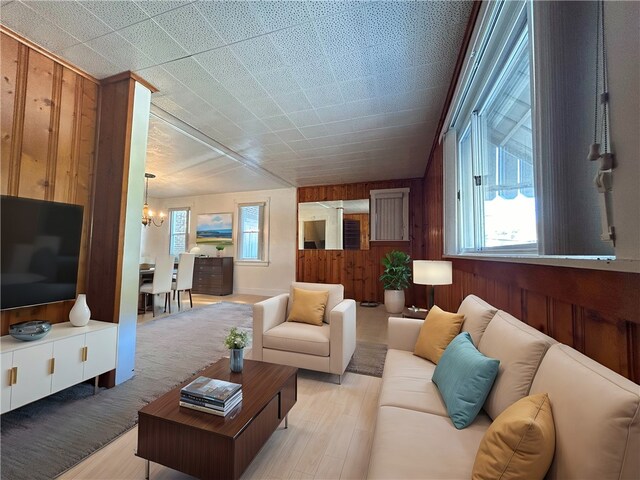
(40, 247)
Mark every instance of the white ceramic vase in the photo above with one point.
(394, 301)
(80, 313)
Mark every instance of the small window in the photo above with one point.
(252, 233)
(179, 230)
(390, 214)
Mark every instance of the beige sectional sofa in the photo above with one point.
(596, 411)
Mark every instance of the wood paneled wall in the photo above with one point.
(596, 312)
(48, 124)
(359, 270)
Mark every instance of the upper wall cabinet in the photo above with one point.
(390, 214)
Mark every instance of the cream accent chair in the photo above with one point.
(327, 348)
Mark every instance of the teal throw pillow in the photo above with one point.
(464, 377)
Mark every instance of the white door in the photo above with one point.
(6, 363)
(101, 352)
(68, 366)
(33, 374)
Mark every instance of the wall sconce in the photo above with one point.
(432, 272)
(147, 215)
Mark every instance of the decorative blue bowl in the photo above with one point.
(28, 331)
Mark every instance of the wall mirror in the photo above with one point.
(334, 225)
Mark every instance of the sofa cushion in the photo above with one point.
(336, 295)
(416, 445)
(519, 444)
(308, 306)
(520, 349)
(596, 414)
(477, 315)
(437, 331)
(298, 337)
(407, 384)
(464, 377)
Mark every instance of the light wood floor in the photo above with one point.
(330, 427)
(371, 322)
(199, 300)
(329, 437)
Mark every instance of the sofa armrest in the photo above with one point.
(403, 333)
(342, 335)
(266, 315)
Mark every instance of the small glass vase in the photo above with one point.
(236, 359)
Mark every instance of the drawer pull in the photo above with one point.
(52, 366)
(14, 376)
(84, 354)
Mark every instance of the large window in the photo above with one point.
(515, 177)
(252, 232)
(179, 230)
(495, 158)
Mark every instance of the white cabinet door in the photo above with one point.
(68, 362)
(33, 376)
(101, 352)
(6, 363)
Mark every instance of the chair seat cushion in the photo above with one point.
(299, 338)
(146, 288)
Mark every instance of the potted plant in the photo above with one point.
(236, 342)
(220, 248)
(395, 278)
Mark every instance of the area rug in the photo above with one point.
(45, 438)
(368, 359)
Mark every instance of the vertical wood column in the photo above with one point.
(124, 112)
(109, 203)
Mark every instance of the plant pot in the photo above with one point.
(394, 301)
(236, 359)
(80, 313)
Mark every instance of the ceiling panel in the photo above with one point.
(115, 14)
(234, 21)
(29, 23)
(155, 7)
(190, 29)
(293, 92)
(87, 59)
(120, 52)
(149, 37)
(71, 17)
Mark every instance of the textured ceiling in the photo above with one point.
(307, 92)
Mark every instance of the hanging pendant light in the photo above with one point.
(147, 215)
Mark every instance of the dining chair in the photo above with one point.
(184, 277)
(162, 277)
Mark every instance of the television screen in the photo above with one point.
(40, 251)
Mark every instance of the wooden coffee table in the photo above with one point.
(209, 446)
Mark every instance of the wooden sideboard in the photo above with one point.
(213, 275)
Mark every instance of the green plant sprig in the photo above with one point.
(236, 338)
(397, 270)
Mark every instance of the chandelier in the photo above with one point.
(147, 215)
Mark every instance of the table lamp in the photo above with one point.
(432, 272)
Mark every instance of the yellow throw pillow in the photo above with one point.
(437, 331)
(308, 306)
(520, 442)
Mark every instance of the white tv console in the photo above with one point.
(66, 356)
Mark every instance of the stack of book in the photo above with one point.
(211, 396)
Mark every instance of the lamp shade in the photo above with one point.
(432, 272)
